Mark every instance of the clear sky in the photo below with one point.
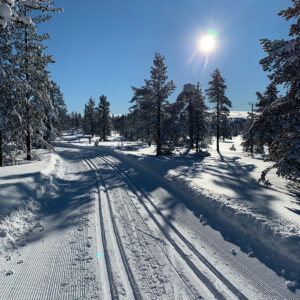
(104, 47)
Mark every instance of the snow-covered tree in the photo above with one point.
(216, 94)
(160, 91)
(279, 122)
(187, 98)
(10, 87)
(104, 121)
(59, 105)
(30, 63)
(199, 116)
(147, 113)
(268, 97)
(89, 117)
(144, 113)
(193, 113)
(9, 10)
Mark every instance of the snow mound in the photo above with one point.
(22, 189)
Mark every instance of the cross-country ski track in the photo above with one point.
(150, 245)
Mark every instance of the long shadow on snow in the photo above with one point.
(237, 178)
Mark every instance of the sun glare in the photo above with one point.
(207, 43)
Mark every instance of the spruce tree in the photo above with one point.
(89, 117)
(144, 113)
(59, 105)
(269, 96)
(216, 94)
(187, 98)
(104, 117)
(10, 87)
(279, 121)
(160, 91)
(199, 116)
(37, 110)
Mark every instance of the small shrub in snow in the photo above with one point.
(232, 148)
(234, 252)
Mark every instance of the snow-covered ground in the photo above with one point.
(114, 221)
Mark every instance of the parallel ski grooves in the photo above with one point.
(112, 285)
(198, 273)
(134, 287)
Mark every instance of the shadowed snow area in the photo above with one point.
(178, 227)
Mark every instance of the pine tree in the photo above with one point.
(104, 118)
(199, 116)
(160, 91)
(143, 113)
(37, 111)
(216, 94)
(10, 86)
(269, 96)
(59, 105)
(279, 121)
(187, 98)
(89, 117)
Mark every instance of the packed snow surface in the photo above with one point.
(149, 219)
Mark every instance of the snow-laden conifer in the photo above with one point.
(279, 122)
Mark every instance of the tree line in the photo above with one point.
(185, 122)
(272, 128)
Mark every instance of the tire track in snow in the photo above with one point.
(189, 262)
(114, 292)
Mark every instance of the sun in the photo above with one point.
(207, 43)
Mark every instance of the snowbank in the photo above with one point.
(21, 189)
(226, 189)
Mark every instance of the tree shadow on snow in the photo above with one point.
(148, 172)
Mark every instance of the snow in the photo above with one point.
(19, 205)
(25, 20)
(228, 185)
(134, 209)
(5, 14)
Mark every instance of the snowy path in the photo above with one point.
(57, 260)
(224, 275)
(151, 246)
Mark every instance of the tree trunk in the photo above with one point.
(218, 124)
(1, 150)
(103, 133)
(191, 129)
(28, 137)
(28, 145)
(92, 128)
(158, 140)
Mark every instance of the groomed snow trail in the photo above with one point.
(170, 253)
(58, 259)
(150, 245)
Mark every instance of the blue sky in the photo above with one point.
(104, 47)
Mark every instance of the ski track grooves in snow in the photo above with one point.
(198, 273)
(114, 292)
